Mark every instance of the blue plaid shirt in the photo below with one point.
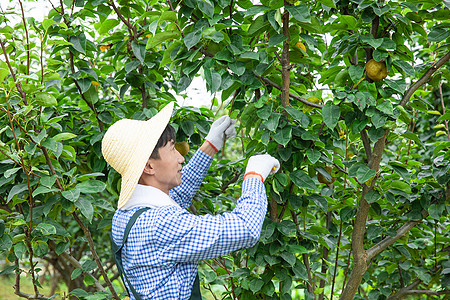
(165, 244)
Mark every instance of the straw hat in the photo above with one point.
(128, 144)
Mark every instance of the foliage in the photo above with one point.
(377, 229)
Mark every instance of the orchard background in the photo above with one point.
(360, 208)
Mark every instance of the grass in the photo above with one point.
(7, 283)
(7, 291)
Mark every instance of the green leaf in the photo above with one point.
(91, 186)
(79, 292)
(63, 136)
(10, 172)
(379, 11)
(283, 136)
(276, 39)
(405, 66)
(40, 248)
(369, 39)
(386, 107)
(313, 155)
(355, 72)
(76, 44)
(255, 9)
(300, 270)
(364, 173)
(45, 99)
(161, 37)
(43, 190)
(107, 25)
(168, 15)
(301, 179)
(299, 116)
(183, 83)
(309, 136)
(46, 229)
(192, 38)
(348, 20)
(85, 207)
(287, 228)
(331, 114)
(374, 231)
(16, 189)
(436, 211)
(75, 274)
(255, 285)
(289, 258)
(400, 185)
(46, 23)
(438, 34)
(329, 3)
(138, 50)
(272, 122)
(88, 265)
(188, 127)
(319, 201)
(206, 7)
(237, 67)
(413, 136)
(372, 196)
(20, 249)
(91, 95)
(347, 213)
(71, 195)
(398, 85)
(300, 13)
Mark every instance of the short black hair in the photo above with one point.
(168, 135)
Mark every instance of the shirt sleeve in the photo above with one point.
(193, 174)
(183, 237)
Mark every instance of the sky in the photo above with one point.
(197, 95)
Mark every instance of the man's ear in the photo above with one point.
(148, 168)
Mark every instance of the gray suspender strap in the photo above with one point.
(117, 251)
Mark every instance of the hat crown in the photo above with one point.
(118, 144)
(128, 144)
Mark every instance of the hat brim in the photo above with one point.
(148, 135)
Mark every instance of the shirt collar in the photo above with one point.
(148, 196)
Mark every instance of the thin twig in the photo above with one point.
(443, 109)
(18, 84)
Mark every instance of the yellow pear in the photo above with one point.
(182, 147)
(376, 70)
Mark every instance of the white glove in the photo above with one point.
(262, 165)
(221, 128)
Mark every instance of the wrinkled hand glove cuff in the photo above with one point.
(212, 146)
(254, 173)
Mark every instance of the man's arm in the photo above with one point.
(183, 237)
(195, 171)
(193, 174)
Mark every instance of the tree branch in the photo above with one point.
(366, 142)
(18, 84)
(425, 77)
(304, 101)
(285, 65)
(88, 236)
(359, 253)
(386, 242)
(27, 37)
(131, 28)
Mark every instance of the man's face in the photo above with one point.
(167, 169)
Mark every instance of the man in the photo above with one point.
(165, 244)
